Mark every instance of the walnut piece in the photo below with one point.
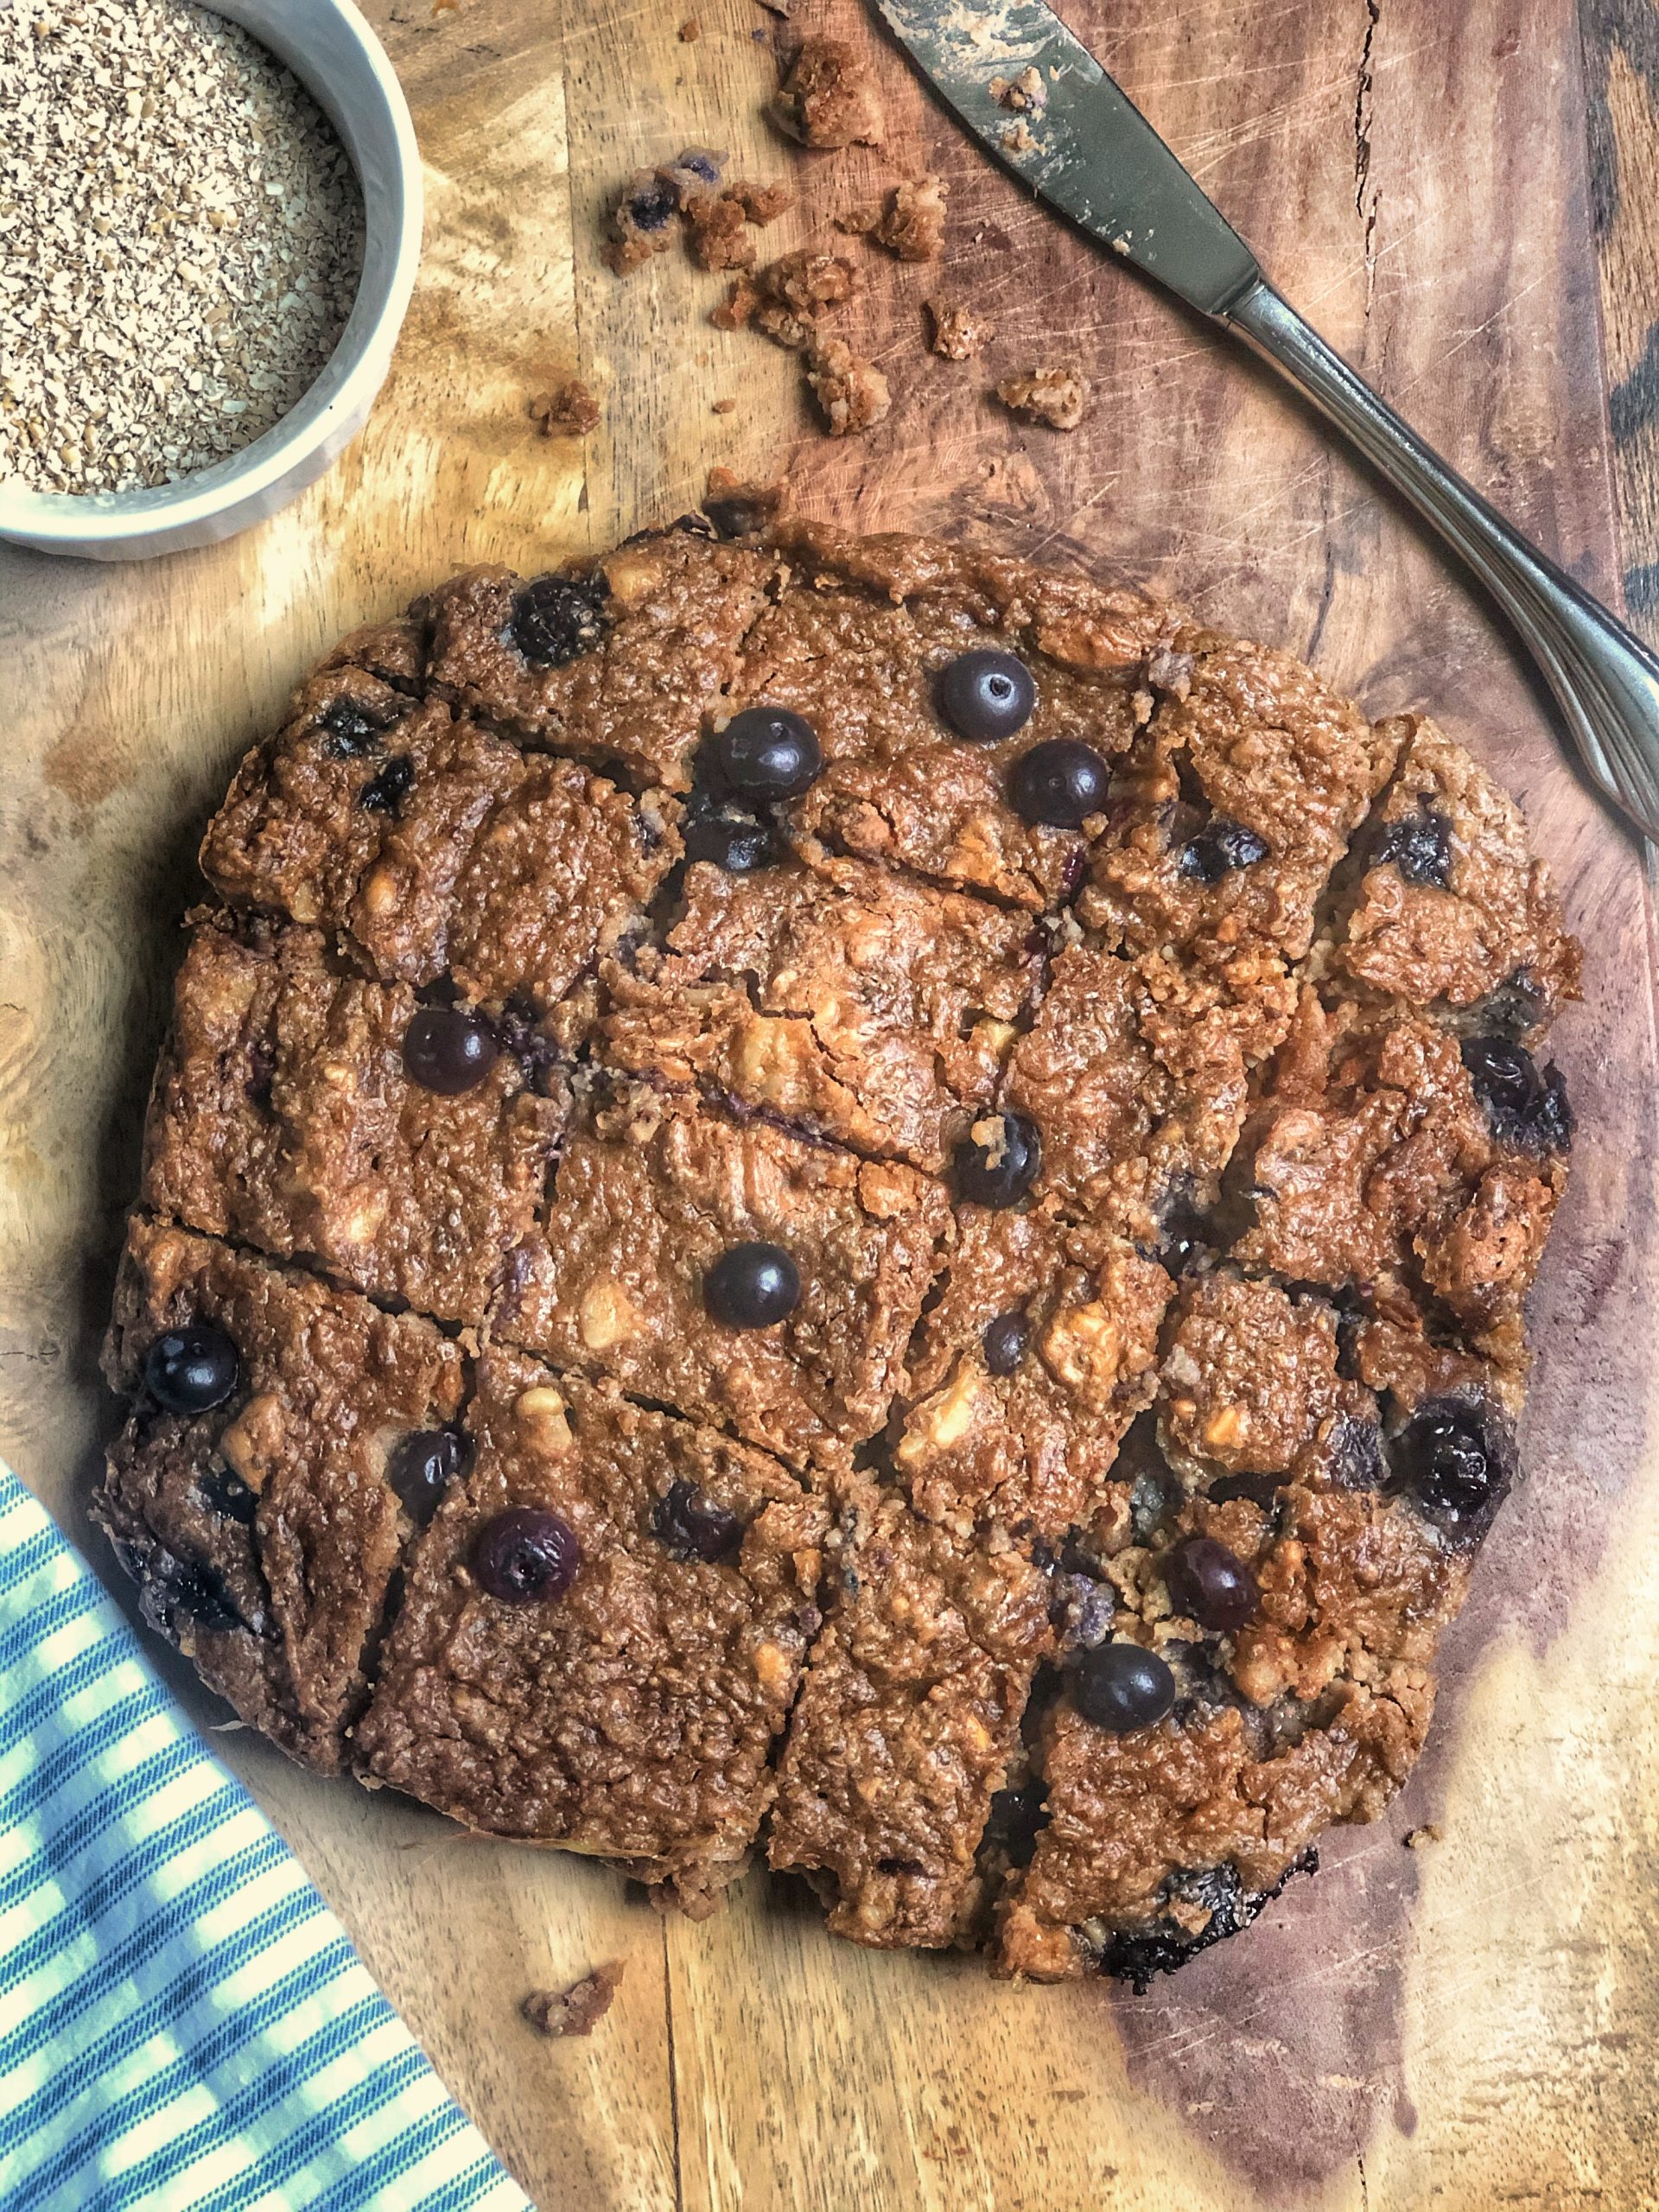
(829, 97)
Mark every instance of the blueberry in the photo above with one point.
(525, 1556)
(767, 752)
(986, 694)
(752, 1286)
(1517, 1004)
(352, 730)
(1419, 846)
(386, 793)
(555, 619)
(1000, 1174)
(1005, 1341)
(1015, 1819)
(1457, 1458)
(175, 1594)
(1167, 1943)
(224, 1492)
(651, 207)
(1527, 1108)
(447, 1050)
(1219, 848)
(1211, 1584)
(1060, 783)
(1183, 1233)
(692, 1525)
(191, 1368)
(422, 1467)
(1121, 1686)
(735, 842)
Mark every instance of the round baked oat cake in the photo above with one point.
(845, 1198)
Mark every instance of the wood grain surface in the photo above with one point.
(1474, 2024)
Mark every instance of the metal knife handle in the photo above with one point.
(1606, 681)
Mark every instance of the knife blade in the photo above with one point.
(1090, 152)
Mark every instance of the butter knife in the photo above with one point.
(1089, 152)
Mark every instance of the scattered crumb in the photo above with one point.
(859, 222)
(852, 392)
(737, 308)
(1415, 1839)
(693, 175)
(568, 410)
(1017, 138)
(784, 327)
(725, 407)
(958, 333)
(1168, 670)
(737, 508)
(1055, 396)
(1027, 93)
(642, 222)
(690, 31)
(829, 97)
(718, 235)
(914, 225)
(761, 203)
(576, 2010)
(807, 280)
(427, 15)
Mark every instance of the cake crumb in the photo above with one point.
(807, 280)
(1027, 93)
(1416, 1839)
(1056, 396)
(578, 2010)
(859, 222)
(852, 392)
(761, 203)
(690, 31)
(642, 222)
(567, 410)
(958, 333)
(693, 176)
(717, 233)
(913, 226)
(739, 508)
(829, 97)
(725, 407)
(736, 310)
(1017, 138)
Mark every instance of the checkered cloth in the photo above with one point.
(183, 2024)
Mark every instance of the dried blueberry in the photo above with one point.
(1419, 846)
(422, 1467)
(735, 842)
(767, 752)
(1015, 1819)
(1519, 1003)
(1168, 1942)
(1183, 1233)
(1005, 1341)
(386, 793)
(223, 1491)
(191, 1368)
(1121, 1686)
(653, 205)
(1211, 1584)
(1221, 847)
(1058, 784)
(1526, 1107)
(525, 1556)
(986, 694)
(1457, 1457)
(447, 1050)
(174, 1594)
(352, 730)
(999, 1172)
(691, 1524)
(752, 1286)
(555, 619)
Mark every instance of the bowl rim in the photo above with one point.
(66, 519)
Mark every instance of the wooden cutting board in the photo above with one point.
(1472, 2024)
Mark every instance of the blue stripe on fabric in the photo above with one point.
(25, 1635)
(364, 2183)
(464, 2188)
(167, 2009)
(87, 1743)
(19, 1561)
(59, 1685)
(173, 1919)
(76, 1834)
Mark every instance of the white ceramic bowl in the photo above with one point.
(337, 57)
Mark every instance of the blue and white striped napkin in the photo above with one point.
(183, 2025)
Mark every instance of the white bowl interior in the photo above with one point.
(334, 54)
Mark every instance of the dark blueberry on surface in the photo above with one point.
(386, 793)
(752, 1286)
(1220, 848)
(1000, 1174)
(447, 1050)
(767, 752)
(525, 1556)
(191, 1368)
(518, 1031)
(1263, 1491)
(691, 1524)
(1183, 1234)
(223, 1491)
(1419, 846)
(653, 205)
(1518, 1004)
(351, 730)
(555, 619)
(1526, 1107)
(1121, 1686)
(986, 694)
(734, 842)
(175, 1595)
(1457, 1458)
(1005, 1340)
(1016, 1818)
(422, 1467)
(1060, 783)
(1168, 1942)
(1211, 1584)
